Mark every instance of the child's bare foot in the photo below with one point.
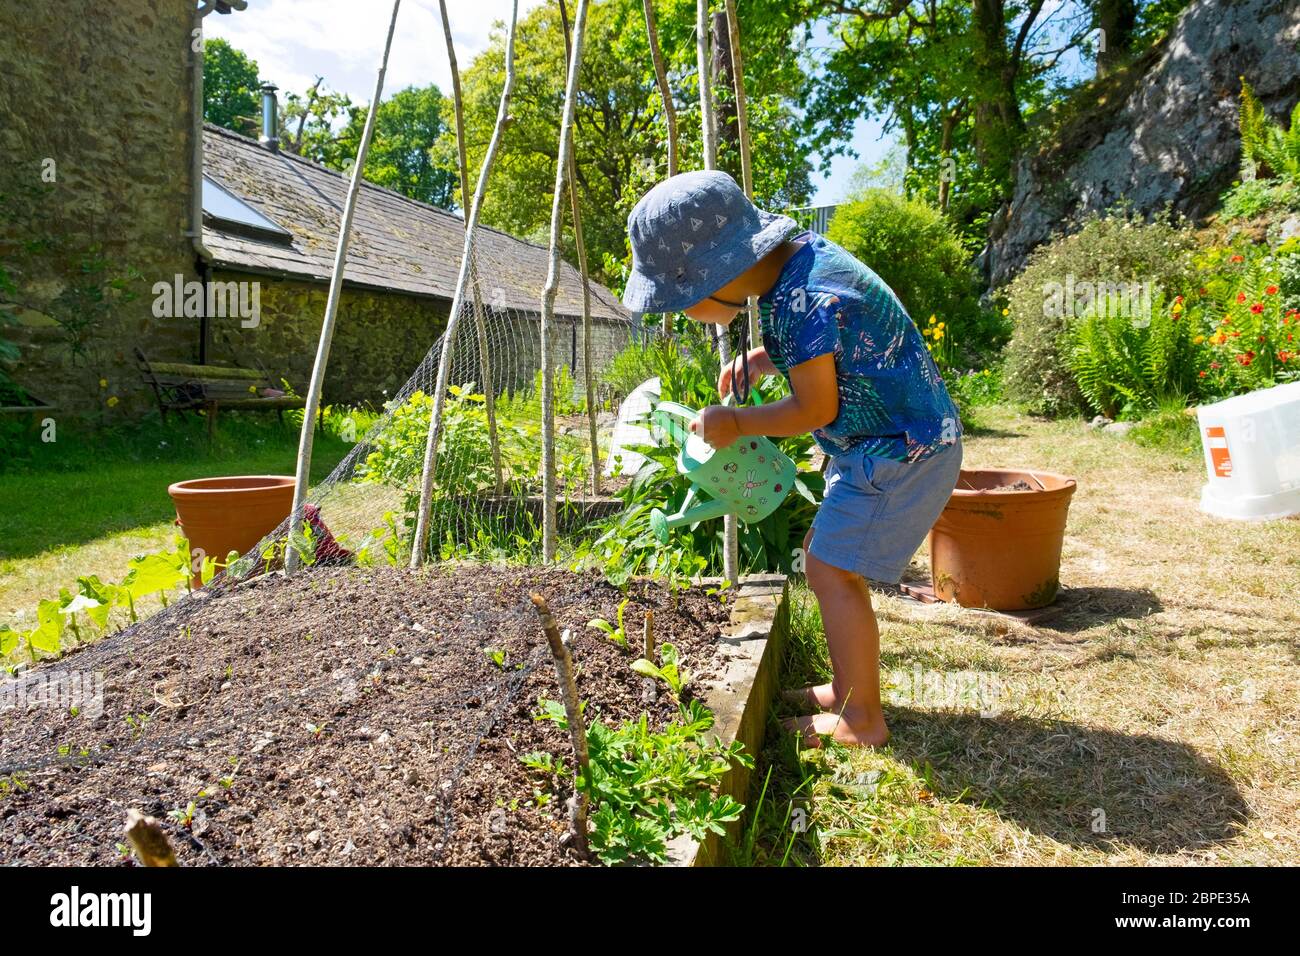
(864, 733)
(821, 696)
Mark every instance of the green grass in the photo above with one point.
(94, 498)
(88, 484)
(1149, 722)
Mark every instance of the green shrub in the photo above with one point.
(1265, 145)
(1288, 255)
(464, 452)
(916, 251)
(629, 368)
(1256, 196)
(1057, 285)
(526, 403)
(1129, 366)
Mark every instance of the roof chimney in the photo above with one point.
(270, 124)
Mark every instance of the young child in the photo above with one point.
(861, 380)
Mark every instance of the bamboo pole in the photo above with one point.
(742, 136)
(572, 706)
(670, 111)
(552, 285)
(312, 408)
(480, 325)
(708, 127)
(453, 319)
(709, 136)
(588, 382)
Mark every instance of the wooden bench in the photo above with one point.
(183, 388)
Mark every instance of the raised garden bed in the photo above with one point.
(349, 717)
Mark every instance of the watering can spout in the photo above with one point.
(662, 523)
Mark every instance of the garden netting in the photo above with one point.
(486, 499)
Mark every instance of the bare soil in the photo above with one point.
(1018, 485)
(338, 716)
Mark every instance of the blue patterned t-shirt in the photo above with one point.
(893, 403)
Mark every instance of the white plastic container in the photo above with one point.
(1252, 454)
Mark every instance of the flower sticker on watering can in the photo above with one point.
(724, 481)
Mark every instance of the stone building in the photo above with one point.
(100, 193)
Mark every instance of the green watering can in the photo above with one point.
(748, 479)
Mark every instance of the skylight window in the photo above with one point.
(224, 210)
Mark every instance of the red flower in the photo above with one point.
(1284, 356)
(1178, 299)
(1271, 290)
(1241, 297)
(1263, 338)
(1203, 290)
(1236, 335)
(1238, 258)
(1227, 320)
(1257, 308)
(1245, 358)
(1215, 365)
(1203, 373)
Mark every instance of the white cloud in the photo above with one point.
(294, 41)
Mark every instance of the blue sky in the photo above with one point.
(294, 41)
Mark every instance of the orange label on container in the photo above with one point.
(1217, 442)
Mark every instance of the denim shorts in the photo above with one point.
(877, 511)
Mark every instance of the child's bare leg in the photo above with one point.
(853, 637)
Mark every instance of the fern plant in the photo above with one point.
(1264, 143)
(1120, 364)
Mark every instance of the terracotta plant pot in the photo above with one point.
(1001, 549)
(220, 515)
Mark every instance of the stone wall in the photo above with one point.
(95, 151)
(379, 337)
(95, 147)
(1166, 134)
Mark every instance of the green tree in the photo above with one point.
(308, 124)
(230, 87)
(407, 125)
(960, 81)
(619, 128)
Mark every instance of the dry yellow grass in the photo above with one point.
(1154, 720)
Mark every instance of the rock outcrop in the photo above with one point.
(1162, 136)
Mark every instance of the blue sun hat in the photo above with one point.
(691, 235)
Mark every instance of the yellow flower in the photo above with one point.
(938, 334)
(252, 389)
(932, 320)
(1006, 311)
(103, 383)
(1178, 307)
(112, 400)
(940, 325)
(1198, 340)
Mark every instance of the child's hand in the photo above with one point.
(759, 365)
(717, 425)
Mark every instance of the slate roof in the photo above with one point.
(397, 243)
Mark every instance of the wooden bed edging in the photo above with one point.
(741, 696)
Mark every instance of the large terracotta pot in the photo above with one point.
(1001, 549)
(220, 515)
